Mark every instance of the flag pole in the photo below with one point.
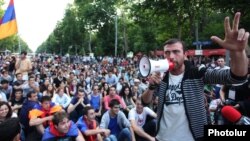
(18, 35)
(19, 44)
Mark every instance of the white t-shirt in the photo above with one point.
(140, 119)
(174, 124)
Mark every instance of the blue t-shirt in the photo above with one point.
(113, 126)
(95, 102)
(79, 107)
(82, 126)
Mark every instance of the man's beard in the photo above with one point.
(176, 65)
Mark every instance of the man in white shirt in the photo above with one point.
(221, 63)
(220, 66)
(144, 129)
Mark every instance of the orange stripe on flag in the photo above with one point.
(55, 109)
(8, 23)
(35, 113)
(8, 29)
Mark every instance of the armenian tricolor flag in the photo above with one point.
(39, 112)
(8, 23)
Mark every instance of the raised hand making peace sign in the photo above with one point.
(235, 39)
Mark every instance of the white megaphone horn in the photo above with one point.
(147, 66)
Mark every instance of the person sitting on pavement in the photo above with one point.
(62, 129)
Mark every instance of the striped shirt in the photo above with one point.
(192, 89)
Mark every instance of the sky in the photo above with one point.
(37, 19)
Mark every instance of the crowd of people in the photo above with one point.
(107, 99)
(94, 99)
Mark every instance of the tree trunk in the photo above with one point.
(125, 39)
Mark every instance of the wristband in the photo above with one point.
(152, 86)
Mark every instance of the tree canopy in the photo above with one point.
(141, 25)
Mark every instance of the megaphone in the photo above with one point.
(147, 66)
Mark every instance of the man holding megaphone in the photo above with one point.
(181, 110)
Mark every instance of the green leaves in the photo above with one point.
(142, 25)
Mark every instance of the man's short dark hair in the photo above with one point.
(24, 52)
(4, 81)
(81, 90)
(45, 98)
(30, 93)
(112, 86)
(173, 41)
(19, 90)
(86, 110)
(113, 103)
(18, 74)
(31, 76)
(59, 116)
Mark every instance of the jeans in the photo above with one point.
(111, 138)
(125, 135)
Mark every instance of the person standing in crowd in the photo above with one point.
(23, 65)
(116, 121)
(181, 111)
(62, 129)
